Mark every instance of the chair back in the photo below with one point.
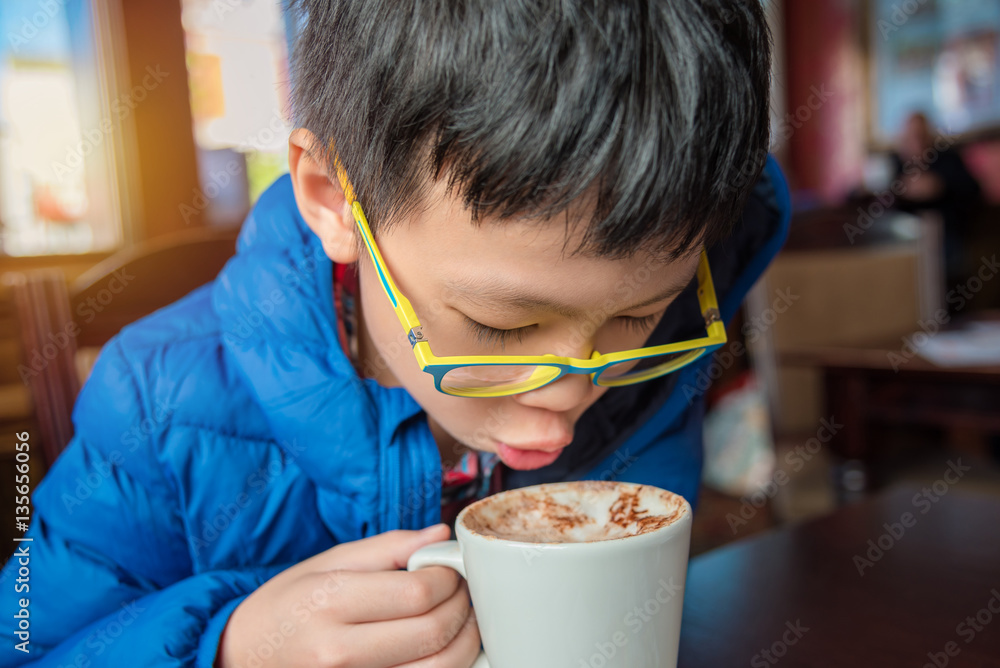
(60, 327)
(838, 284)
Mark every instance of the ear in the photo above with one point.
(320, 199)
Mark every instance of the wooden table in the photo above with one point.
(881, 385)
(797, 594)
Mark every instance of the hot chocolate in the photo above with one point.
(577, 512)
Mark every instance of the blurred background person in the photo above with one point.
(936, 178)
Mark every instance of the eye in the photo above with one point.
(641, 325)
(488, 336)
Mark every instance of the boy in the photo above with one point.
(522, 178)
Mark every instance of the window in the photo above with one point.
(237, 60)
(59, 136)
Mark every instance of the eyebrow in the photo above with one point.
(492, 291)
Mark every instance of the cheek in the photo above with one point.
(393, 361)
(385, 332)
(470, 421)
(596, 393)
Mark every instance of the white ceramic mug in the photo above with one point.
(606, 593)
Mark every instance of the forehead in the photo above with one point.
(526, 257)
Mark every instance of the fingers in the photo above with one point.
(388, 551)
(460, 653)
(397, 641)
(384, 595)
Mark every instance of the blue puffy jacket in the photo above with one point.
(226, 437)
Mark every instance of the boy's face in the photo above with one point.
(504, 276)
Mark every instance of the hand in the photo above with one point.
(351, 607)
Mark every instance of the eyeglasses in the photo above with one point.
(504, 375)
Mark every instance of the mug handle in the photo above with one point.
(446, 553)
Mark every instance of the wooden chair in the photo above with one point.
(61, 327)
(857, 291)
(849, 291)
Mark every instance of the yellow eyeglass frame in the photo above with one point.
(438, 367)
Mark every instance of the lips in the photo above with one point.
(525, 458)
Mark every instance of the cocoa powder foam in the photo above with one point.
(574, 512)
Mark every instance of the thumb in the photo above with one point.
(388, 551)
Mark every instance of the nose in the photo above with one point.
(560, 396)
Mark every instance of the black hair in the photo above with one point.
(654, 113)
